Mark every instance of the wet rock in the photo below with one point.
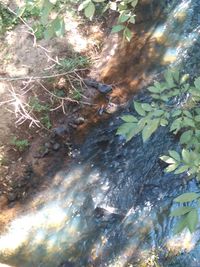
(60, 131)
(101, 110)
(111, 108)
(52, 141)
(74, 126)
(12, 197)
(47, 145)
(79, 121)
(105, 215)
(101, 87)
(104, 88)
(56, 147)
(41, 154)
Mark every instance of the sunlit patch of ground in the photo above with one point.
(21, 58)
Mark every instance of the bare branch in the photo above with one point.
(9, 79)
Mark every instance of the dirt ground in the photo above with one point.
(22, 172)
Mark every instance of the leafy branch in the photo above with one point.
(173, 103)
(125, 10)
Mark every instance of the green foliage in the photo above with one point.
(38, 30)
(45, 120)
(75, 62)
(7, 19)
(37, 106)
(164, 109)
(124, 8)
(20, 145)
(188, 214)
(76, 95)
(49, 15)
(42, 110)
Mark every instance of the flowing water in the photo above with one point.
(111, 207)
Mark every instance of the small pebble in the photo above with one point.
(104, 88)
(47, 145)
(12, 197)
(79, 121)
(56, 147)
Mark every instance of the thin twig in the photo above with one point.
(20, 110)
(54, 95)
(40, 77)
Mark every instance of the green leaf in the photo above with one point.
(132, 132)
(197, 118)
(123, 17)
(89, 10)
(181, 211)
(187, 113)
(197, 83)
(158, 112)
(169, 78)
(149, 129)
(127, 34)
(176, 75)
(46, 9)
(139, 109)
(49, 32)
(129, 118)
(59, 26)
(132, 19)
(181, 169)
(176, 125)
(186, 137)
(187, 197)
(21, 10)
(181, 225)
(176, 113)
(134, 3)
(174, 155)
(124, 129)
(188, 122)
(146, 107)
(99, 1)
(186, 155)
(168, 160)
(153, 89)
(163, 122)
(197, 110)
(155, 96)
(195, 92)
(192, 220)
(171, 167)
(83, 5)
(117, 28)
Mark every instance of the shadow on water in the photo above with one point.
(110, 208)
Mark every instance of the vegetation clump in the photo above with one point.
(20, 144)
(173, 103)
